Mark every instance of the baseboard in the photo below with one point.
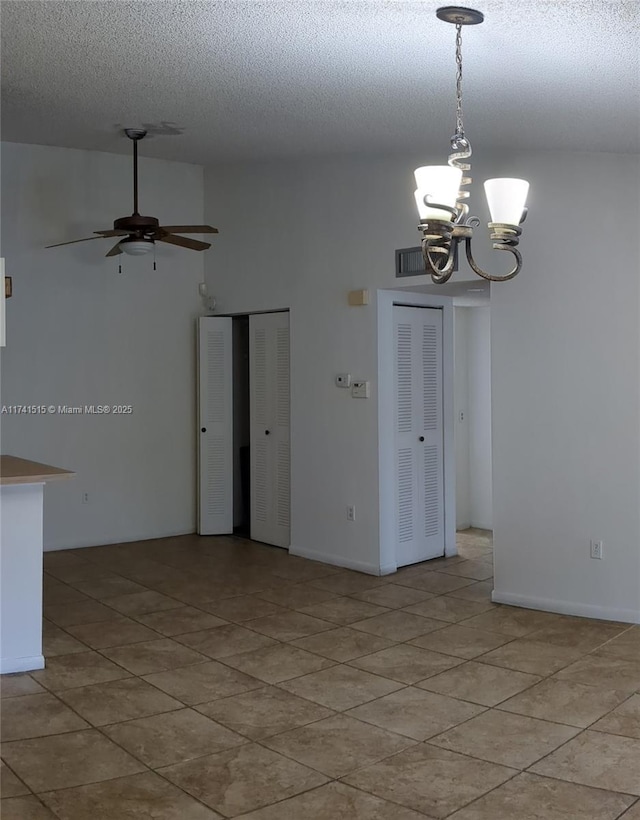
(603, 613)
(340, 561)
(70, 545)
(29, 664)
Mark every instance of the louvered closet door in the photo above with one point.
(269, 402)
(419, 434)
(215, 426)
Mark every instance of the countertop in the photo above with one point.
(14, 470)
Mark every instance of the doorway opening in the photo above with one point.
(241, 429)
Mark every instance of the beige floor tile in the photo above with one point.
(56, 641)
(580, 634)
(343, 644)
(476, 569)
(288, 625)
(12, 686)
(338, 745)
(24, 808)
(37, 716)
(481, 592)
(626, 645)
(347, 582)
(86, 612)
(335, 801)
(108, 587)
(415, 713)
(405, 663)
(340, 687)
(241, 609)
(105, 634)
(202, 682)
(172, 622)
(138, 796)
(10, 785)
(633, 813)
(118, 700)
(398, 625)
(511, 740)
(264, 712)
(565, 702)
(430, 780)
(597, 759)
(445, 608)
(535, 657)
(278, 662)
(438, 583)
(602, 670)
(625, 720)
(223, 641)
(393, 596)
(242, 779)
(509, 620)
(461, 642)
(297, 596)
(173, 737)
(480, 683)
(82, 669)
(140, 603)
(529, 797)
(344, 611)
(61, 761)
(153, 656)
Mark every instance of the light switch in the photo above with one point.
(343, 380)
(360, 390)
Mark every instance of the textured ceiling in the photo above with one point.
(271, 78)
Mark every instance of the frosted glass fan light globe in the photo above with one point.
(136, 247)
(440, 184)
(506, 198)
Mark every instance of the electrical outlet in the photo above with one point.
(596, 550)
(85, 498)
(351, 513)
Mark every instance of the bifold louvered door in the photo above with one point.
(418, 433)
(215, 426)
(269, 421)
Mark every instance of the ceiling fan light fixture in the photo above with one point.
(136, 247)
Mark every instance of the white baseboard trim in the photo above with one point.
(29, 664)
(339, 561)
(603, 613)
(70, 545)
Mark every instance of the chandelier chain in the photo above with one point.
(459, 118)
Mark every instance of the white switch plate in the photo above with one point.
(343, 380)
(597, 550)
(360, 390)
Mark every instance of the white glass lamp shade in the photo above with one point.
(439, 184)
(506, 198)
(136, 247)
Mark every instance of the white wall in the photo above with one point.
(479, 387)
(79, 333)
(565, 365)
(461, 388)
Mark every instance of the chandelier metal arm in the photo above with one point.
(498, 246)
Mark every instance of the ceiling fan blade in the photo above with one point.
(111, 233)
(115, 250)
(188, 229)
(73, 241)
(183, 242)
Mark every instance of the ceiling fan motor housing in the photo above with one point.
(137, 224)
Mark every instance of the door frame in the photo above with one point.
(387, 299)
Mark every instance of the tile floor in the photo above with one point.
(199, 678)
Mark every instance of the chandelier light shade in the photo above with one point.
(441, 191)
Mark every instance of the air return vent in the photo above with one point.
(409, 262)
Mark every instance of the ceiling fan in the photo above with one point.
(139, 233)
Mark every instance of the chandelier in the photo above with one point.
(441, 195)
